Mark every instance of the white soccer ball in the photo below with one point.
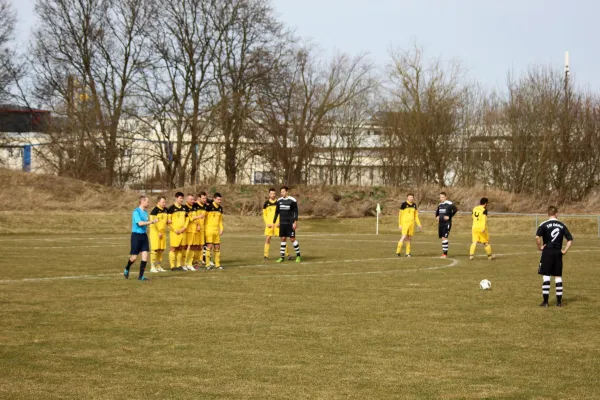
(485, 284)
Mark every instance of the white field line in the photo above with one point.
(452, 264)
(99, 276)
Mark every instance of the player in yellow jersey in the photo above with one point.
(199, 244)
(177, 224)
(271, 229)
(191, 234)
(480, 230)
(158, 235)
(407, 218)
(213, 228)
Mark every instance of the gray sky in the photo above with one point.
(489, 37)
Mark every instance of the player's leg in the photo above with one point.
(133, 253)
(296, 245)
(485, 239)
(474, 241)
(153, 251)
(143, 263)
(400, 244)
(208, 254)
(282, 249)
(267, 247)
(408, 241)
(559, 290)
(444, 232)
(545, 270)
(217, 255)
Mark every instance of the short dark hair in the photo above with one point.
(552, 211)
(443, 193)
(217, 194)
(142, 197)
(287, 189)
(410, 194)
(160, 198)
(202, 194)
(272, 190)
(484, 200)
(179, 194)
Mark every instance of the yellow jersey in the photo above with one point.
(200, 211)
(479, 218)
(192, 210)
(409, 214)
(178, 217)
(214, 217)
(162, 216)
(269, 212)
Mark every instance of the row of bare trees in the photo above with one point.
(221, 82)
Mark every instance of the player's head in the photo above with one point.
(284, 191)
(190, 199)
(179, 198)
(143, 200)
(272, 193)
(552, 211)
(161, 202)
(202, 197)
(410, 198)
(483, 201)
(443, 196)
(217, 198)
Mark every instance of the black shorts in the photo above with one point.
(551, 263)
(444, 230)
(139, 243)
(287, 231)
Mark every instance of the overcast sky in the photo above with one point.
(489, 37)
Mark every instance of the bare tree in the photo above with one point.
(422, 117)
(8, 68)
(252, 35)
(87, 57)
(297, 104)
(176, 90)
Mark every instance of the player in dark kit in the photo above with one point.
(444, 214)
(552, 232)
(287, 212)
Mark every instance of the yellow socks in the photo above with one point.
(399, 248)
(267, 247)
(153, 257)
(218, 257)
(488, 249)
(472, 249)
(408, 248)
(207, 257)
(173, 259)
(180, 257)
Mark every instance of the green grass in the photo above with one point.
(351, 321)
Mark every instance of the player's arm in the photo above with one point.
(139, 220)
(538, 238)
(484, 220)
(153, 227)
(294, 210)
(417, 220)
(454, 210)
(400, 218)
(221, 228)
(266, 216)
(437, 213)
(569, 238)
(276, 215)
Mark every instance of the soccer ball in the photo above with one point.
(485, 284)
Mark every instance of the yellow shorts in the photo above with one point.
(481, 237)
(213, 237)
(273, 231)
(408, 229)
(176, 240)
(157, 243)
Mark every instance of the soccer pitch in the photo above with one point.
(351, 321)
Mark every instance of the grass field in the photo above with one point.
(351, 321)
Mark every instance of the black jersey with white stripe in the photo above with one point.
(286, 210)
(446, 209)
(553, 232)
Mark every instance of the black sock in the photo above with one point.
(129, 264)
(559, 292)
(546, 298)
(142, 268)
(546, 289)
